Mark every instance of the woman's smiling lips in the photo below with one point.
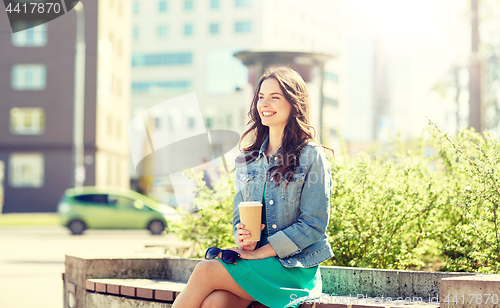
(267, 114)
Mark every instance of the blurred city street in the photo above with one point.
(32, 259)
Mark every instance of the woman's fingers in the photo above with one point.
(243, 234)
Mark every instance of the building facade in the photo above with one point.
(183, 46)
(36, 105)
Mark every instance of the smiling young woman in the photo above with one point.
(286, 170)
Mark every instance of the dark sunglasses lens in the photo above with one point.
(229, 256)
(212, 252)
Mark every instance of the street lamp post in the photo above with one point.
(476, 113)
(79, 96)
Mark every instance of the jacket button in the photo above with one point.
(276, 158)
(275, 226)
(271, 202)
(271, 179)
(289, 261)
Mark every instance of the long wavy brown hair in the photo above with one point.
(298, 130)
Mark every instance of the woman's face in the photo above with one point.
(274, 109)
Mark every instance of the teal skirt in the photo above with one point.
(274, 285)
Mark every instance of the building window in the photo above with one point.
(136, 8)
(31, 36)
(157, 123)
(26, 170)
(162, 6)
(332, 77)
(190, 122)
(180, 58)
(28, 77)
(242, 26)
(162, 31)
(214, 28)
(214, 4)
(135, 33)
(188, 29)
(142, 87)
(209, 122)
(27, 121)
(332, 102)
(242, 3)
(188, 5)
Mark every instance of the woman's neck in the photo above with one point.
(275, 137)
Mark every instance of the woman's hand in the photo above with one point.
(263, 252)
(247, 254)
(243, 234)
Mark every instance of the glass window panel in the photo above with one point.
(214, 4)
(26, 170)
(214, 28)
(162, 31)
(188, 5)
(163, 6)
(242, 3)
(135, 32)
(242, 26)
(188, 29)
(28, 77)
(31, 36)
(162, 59)
(27, 121)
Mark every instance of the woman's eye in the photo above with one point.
(276, 97)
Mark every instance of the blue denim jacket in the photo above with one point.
(297, 215)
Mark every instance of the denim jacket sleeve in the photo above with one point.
(236, 213)
(314, 208)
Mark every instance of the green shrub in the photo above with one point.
(472, 163)
(432, 205)
(212, 224)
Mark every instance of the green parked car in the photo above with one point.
(104, 208)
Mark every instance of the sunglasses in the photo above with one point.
(226, 255)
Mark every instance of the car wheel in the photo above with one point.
(77, 227)
(156, 227)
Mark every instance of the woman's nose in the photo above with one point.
(263, 102)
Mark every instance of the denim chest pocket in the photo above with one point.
(291, 192)
(245, 180)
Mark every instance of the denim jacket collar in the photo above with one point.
(263, 147)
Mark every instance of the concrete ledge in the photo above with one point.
(470, 291)
(153, 289)
(93, 274)
(106, 300)
(372, 282)
(80, 269)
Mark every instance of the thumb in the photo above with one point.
(262, 227)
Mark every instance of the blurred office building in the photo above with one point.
(37, 75)
(219, 48)
(378, 91)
